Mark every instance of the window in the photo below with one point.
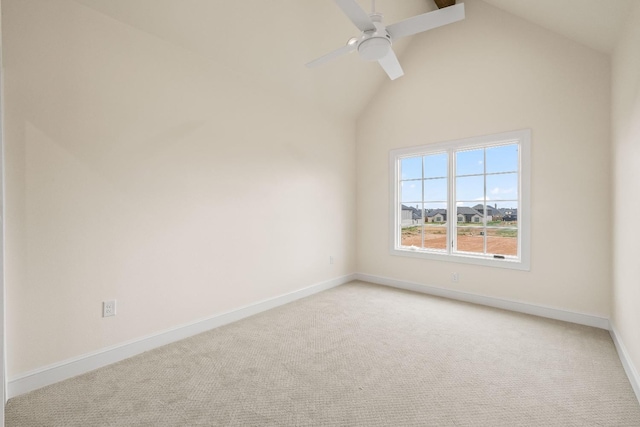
(482, 183)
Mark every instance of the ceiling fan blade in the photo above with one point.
(355, 13)
(391, 66)
(331, 55)
(426, 21)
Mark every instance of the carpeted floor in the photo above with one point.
(356, 355)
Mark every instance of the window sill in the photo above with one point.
(513, 264)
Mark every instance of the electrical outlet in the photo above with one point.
(109, 308)
(455, 277)
(331, 260)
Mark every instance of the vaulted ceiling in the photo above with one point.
(268, 43)
(594, 23)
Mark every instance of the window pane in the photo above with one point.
(435, 166)
(470, 239)
(460, 200)
(502, 214)
(435, 190)
(410, 225)
(435, 212)
(502, 241)
(411, 236)
(411, 191)
(411, 168)
(430, 206)
(502, 187)
(411, 215)
(469, 162)
(435, 237)
(470, 188)
(468, 214)
(491, 213)
(502, 159)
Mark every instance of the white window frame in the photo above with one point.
(523, 139)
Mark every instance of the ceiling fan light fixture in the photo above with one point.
(374, 48)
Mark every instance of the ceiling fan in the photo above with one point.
(374, 42)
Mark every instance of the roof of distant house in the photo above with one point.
(490, 209)
(465, 210)
(433, 212)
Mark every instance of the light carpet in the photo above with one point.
(356, 355)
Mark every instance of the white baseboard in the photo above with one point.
(628, 365)
(88, 362)
(520, 307)
(70, 368)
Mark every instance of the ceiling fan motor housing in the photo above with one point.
(374, 45)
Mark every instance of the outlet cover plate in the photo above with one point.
(109, 308)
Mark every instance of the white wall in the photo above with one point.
(141, 172)
(492, 73)
(626, 184)
(3, 382)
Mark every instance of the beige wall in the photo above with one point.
(492, 73)
(141, 172)
(626, 185)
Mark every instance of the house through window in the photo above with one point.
(484, 181)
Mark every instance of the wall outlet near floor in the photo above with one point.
(455, 278)
(331, 260)
(109, 308)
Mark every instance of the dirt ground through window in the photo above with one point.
(495, 245)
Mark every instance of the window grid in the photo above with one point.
(489, 230)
